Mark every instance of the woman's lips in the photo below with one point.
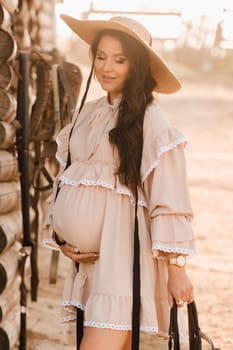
(107, 79)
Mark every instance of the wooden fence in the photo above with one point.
(24, 25)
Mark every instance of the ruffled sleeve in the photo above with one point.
(61, 156)
(166, 188)
(62, 145)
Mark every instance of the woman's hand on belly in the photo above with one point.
(74, 254)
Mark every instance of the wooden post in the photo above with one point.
(21, 27)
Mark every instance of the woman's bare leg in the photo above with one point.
(104, 339)
(128, 343)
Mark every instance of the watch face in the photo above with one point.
(181, 260)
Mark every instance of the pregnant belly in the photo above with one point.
(78, 216)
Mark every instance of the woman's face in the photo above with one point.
(111, 66)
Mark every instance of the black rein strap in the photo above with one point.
(136, 283)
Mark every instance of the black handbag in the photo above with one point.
(196, 336)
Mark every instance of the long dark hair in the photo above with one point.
(127, 135)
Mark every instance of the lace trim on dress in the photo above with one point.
(119, 327)
(161, 151)
(49, 243)
(75, 303)
(107, 325)
(116, 327)
(47, 240)
(60, 160)
(167, 249)
(72, 316)
(101, 183)
(58, 142)
(149, 329)
(68, 318)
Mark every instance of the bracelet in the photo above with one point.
(57, 240)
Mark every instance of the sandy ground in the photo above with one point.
(204, 113)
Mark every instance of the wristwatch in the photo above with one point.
(179, 260)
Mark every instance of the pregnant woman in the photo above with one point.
(122, 176)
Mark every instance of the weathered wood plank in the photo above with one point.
(46, 20)
(10, 196)
(9, 298)
(37, 4)
(21, 26)
(8, 166)
(9, 264)
(10, 5)
(6, 75)
(10, 229)
(7, 106)
(9, 329)
(8, 47)
(7, 134)
(5, 20)
(48, 7)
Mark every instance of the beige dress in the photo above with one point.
(95, 212)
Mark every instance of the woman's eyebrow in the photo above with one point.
(116, 54)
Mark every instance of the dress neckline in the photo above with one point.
(115, 103)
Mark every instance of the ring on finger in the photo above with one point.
(179, 302)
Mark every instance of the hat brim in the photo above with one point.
(166, 80)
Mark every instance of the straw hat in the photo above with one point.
(87, 30)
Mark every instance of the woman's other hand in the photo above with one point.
(180, 287)
(78, 257)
